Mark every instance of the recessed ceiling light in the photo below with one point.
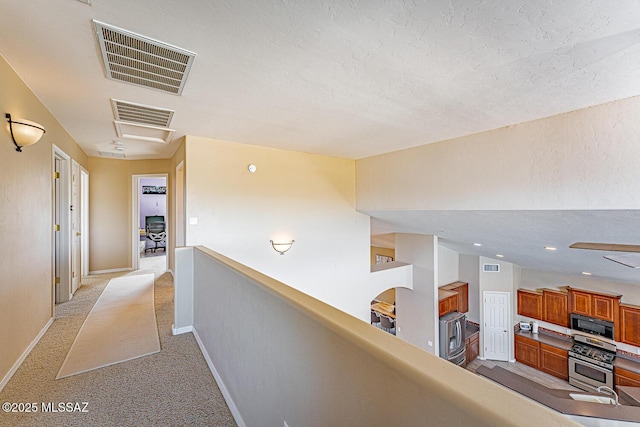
(477, 244)
(550, 248)
(586, 273)
(119, 148)
(499, 255)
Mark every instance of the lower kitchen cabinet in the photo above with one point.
(472, 347)
(527, 351)
(554, 361)
(547, 358)
(626, 378)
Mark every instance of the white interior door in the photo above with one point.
(76, 243)
(496, 325)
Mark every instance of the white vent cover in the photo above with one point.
(143, 114)
(491, 268)
(108, 154)
(143, 132)
(142, 61)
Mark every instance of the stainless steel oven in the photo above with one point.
(591, 362)
(587, 376)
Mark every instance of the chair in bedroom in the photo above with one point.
(156, 232)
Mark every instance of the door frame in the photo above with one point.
(181, 231)
(61, 252)
(135, 217)
(507, 322)
(84, 221)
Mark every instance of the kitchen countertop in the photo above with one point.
(621, 361)
(559, 400)
(549, 339)
(625, 362)
(471, 330)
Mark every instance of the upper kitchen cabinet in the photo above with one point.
(530, 303)
(555, 307)
(597, 305)
(462, 289)
(594, 304)
(630, 324)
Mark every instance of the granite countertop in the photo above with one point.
(628, 363)
(559, 400)
(549, 339)
(471, 330)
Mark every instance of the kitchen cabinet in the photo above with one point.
(597, 305)
(555, 307)
(527, 351)
(472, 347)
(462, 288)
(530, 303)
(540, 355)
(630, 324)
(594, 304)
(554, 361)
(628, 378)
(447, 302)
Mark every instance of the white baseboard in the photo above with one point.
(225, 393)
(179, 331)
(113, 270)
(24, 355)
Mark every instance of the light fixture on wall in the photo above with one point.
(24, 132)
(282, 247)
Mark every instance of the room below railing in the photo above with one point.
(281, 356)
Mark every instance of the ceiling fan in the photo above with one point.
(629, 257)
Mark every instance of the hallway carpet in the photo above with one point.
(171, 388)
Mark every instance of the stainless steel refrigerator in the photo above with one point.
(452, 338)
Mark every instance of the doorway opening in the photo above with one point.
(150, 222)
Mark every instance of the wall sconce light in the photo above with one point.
(24, 132)
(282, 247)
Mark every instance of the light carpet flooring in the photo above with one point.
(171, 388)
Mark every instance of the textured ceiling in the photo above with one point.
(351, 79)
(342, 78)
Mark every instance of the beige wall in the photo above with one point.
(561, 162)
(26, 226)
(110, 208)
(292, 195)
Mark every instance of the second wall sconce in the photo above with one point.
(282, 247)
(24, 132)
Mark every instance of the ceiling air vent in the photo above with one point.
(491, 268)
(143, 114)
(108, 154)
(142, 61)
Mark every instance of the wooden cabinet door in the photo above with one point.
(580, 302)
(530, 304)
(555, 307)
(630, 324)
(443, 307)
(453, 303)
(463, 298)
(527, 351)
(554, 361)
(473, 348)
(628, 378)
(603, 307)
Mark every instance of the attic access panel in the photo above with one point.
(142, 61)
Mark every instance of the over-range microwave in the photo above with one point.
(591, 325)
